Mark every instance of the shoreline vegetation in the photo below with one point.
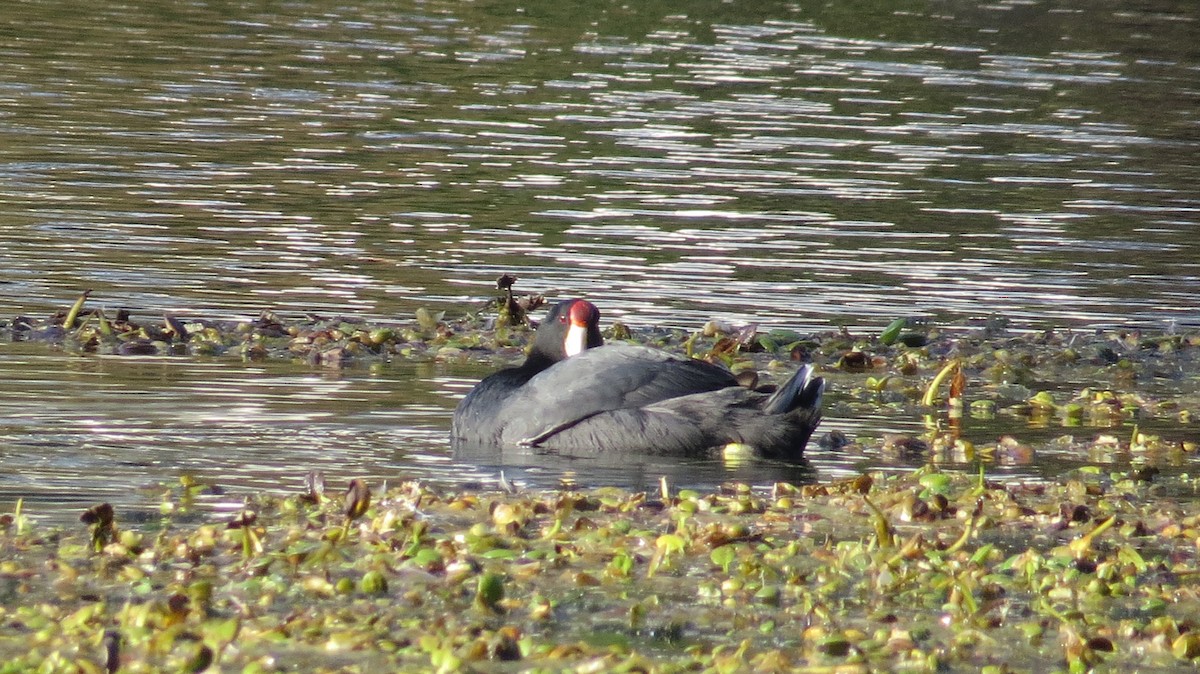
(932, 570)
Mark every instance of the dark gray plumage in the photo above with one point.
(631, 399)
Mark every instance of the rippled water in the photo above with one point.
(795, 164)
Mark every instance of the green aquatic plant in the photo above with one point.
(892, 332)
(948, 372)
(1011, 375)
(899, 572)
(72, 317)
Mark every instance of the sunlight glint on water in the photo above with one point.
(802, 167)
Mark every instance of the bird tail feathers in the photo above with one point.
(802, 391)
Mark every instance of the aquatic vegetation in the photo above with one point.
(954, 377)
(923, 572)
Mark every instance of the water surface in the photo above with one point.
(797, 165)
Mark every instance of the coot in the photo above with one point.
(573, 396)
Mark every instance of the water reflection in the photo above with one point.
(379, 156)
(77, 430)
(141, 423)
(800, 167)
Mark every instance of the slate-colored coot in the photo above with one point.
(575, 396)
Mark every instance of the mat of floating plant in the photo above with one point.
(926, 572)
(923, 571)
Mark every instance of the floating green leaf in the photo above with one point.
(892, 332)
(723, 556)
(489, 591)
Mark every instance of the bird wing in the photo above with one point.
(603, 379)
